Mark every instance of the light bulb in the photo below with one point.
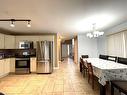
(89, 35)
(28, 24)
(12, 24)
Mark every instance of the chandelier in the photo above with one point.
(94, 33)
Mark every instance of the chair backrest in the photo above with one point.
(81, 60)
(122, 60)
(121, 85)
(1, 93)
(105, 57)
(84, 56)
(112, 58)
(85, 63)
(90, 68)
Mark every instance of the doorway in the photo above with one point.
(67, 49)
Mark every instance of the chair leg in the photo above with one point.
(88, 78)
(112, 89)
(92, 83)
(84, 72)
(80, 67)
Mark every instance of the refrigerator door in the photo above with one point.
(44, 57)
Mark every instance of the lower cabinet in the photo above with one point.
(33, 64)
(4, 67)
(1, 68)
(12, 65)
(7, 66)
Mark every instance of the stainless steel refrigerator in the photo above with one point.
(44, 53)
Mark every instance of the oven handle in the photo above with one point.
(22, 59)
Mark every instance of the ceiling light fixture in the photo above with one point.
(94, 33)
(12, 24)
(28, 24)
(14, 20)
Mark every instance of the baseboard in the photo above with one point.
(33, 72)
(56, 68)
(4, 75)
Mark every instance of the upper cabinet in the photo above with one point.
(9, 42)
(1, 41)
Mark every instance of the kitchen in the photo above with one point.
(97, 27)
(11, 52)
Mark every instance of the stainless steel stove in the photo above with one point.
(22, 65)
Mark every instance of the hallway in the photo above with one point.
(67, 80)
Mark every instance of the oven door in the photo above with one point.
(22, 63)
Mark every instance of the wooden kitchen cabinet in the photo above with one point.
(12, 65)
(9, 42)
(1, 41)
(7, 66)
(1, 68)
(33, 64)
(4, 67)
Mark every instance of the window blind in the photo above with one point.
(116, 44)
(125, 37)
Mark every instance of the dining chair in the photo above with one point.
(1, 93)
(122, 60)
(90, 74)
(112, 58)
(80, 64)
(85, 56)
(105, 57)
(120, 85)
(85, 68)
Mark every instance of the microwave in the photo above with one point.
(26, 45)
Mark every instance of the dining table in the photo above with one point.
(106, 71)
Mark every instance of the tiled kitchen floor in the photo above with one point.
(65, 81)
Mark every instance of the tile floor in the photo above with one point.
(67, 80)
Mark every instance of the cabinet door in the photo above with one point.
(6, 66)
(12, 65)
(1, 68)
(9, 42)
(33, 64)
(1, 41)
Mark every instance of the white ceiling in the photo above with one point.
(67, 17)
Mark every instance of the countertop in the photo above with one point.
(16, 53)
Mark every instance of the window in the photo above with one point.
(116, 44)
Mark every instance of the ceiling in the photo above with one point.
(66, 17)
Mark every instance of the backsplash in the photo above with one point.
(9, 53)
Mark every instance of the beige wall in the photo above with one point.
(58, 49)
(55, 45)
(76, 50)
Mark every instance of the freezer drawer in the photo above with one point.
(44, 67)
